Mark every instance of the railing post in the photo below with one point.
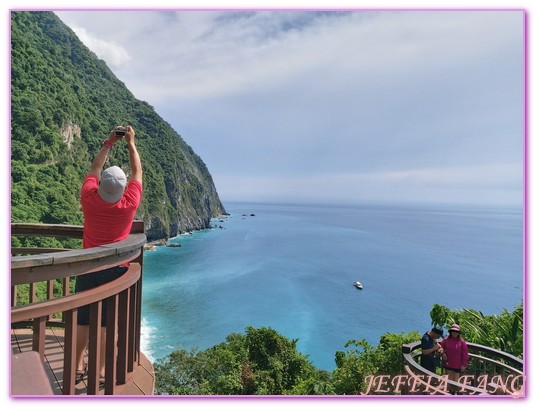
(132, 307)
(50, 290)
(138, 226)
(111, 345)
(39, 332)
(31, 293)
(139, 286)
(69, 357)
(137, 338)
(13, 295)
(95, 329)
(122, 340)
(65, 285)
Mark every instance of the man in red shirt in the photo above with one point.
(109, 205)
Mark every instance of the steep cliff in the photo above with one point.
(64, 101)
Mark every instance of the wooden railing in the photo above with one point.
(490, 371)
(123, 298)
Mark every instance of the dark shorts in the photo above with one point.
(92, 280)
(429, 362)
(453, 369)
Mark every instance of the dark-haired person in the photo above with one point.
(431, 349)
(455, 353)
(109, 205)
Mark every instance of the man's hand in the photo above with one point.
(112, 138)
(130, 134)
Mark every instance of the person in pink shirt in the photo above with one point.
(455, 354)
(109, 205)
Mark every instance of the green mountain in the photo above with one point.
(64, 102)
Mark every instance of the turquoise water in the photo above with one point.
(292, 267)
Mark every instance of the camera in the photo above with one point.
(119, 132)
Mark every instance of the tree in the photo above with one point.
(260, 362)
(354, 365)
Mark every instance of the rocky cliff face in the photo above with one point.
(64, 103)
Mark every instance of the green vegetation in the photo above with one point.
(64, 102)
(259, 362)
(363, 360)
(502, 331)
(262, 361)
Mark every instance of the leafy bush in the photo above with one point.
(362, 360)
(500, 331)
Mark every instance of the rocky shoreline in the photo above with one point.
(164, 242)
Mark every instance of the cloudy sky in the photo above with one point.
(342, 107)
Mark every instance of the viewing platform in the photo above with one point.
(490, 372)
(43, 336)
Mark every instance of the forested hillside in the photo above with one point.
(64, 102)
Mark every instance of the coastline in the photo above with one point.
(164, 242)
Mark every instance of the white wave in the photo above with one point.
(147, 334)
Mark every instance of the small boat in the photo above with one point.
(358, 284)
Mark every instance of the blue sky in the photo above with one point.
(339, 107)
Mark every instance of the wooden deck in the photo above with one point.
(140, 382)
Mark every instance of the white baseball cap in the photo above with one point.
(112, 184)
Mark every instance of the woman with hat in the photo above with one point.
(455, 353)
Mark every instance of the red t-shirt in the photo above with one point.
(106, 222)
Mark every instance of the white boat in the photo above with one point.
(358, 284)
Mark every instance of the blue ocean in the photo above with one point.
(291, 268)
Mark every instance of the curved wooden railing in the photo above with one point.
(490, 371)
(123, 298)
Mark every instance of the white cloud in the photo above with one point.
(216, 54)
(111, 52)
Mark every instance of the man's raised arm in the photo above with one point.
(135, 161)
(102, 155)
